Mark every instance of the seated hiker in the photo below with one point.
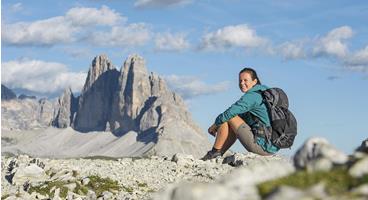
(239, 120)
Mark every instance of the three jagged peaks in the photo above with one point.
(131, 99)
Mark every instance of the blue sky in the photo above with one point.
(317, 51)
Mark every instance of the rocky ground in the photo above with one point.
(137, 178)
(318, 171)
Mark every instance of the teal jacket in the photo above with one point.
(252, 102)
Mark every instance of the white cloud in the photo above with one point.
(292, 50)
(16, 7)
(40, 76)
(160, 3)
(60, 29)
(232, 36)
(42, 32)
(189, 87)
(82, 16)
(171, 42)
(333, 44)
(358, 61)
(130, 35)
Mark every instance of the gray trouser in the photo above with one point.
(246, 137)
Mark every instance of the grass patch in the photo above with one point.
(151, 191)
(96, 184)
(45, 188)
(100, 158)
(5, 196)
(142, 184)
(100, 185)
(80, 189)
(337, 181)
(128, 189)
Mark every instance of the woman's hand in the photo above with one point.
(213, 129)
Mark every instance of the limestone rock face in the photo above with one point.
(6, 93)
(26, 114)
(94, 106)
(66, 108)
(133, 91)
(100, 65)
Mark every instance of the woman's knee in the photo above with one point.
(235, 122)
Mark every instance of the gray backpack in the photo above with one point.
(283, 122)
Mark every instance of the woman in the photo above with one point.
(247, 119)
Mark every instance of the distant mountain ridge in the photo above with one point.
(6, 93)
(127, 101)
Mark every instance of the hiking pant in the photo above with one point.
(248, 140)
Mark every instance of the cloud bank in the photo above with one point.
(77, 25)
(232, 36)
(334, 43)
(171, 42)
(190, 87)
(40, 76)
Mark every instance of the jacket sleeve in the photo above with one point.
(244, 104)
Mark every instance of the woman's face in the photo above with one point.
(246, 82)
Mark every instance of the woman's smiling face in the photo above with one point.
(246, 82)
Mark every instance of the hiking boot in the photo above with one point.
(211, 155)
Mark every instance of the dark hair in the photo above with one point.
(252, 73)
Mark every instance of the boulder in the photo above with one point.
(363, 147)
(318, 154)
(360, 168)
(31, 174)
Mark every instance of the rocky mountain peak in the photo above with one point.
(100, 65)
(136, 106)
(134, 85)
(67, 105)
(6, 93)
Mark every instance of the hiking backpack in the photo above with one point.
(283, 122)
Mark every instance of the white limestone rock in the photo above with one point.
(318, 154)
(360, 168)
(67, 106)
(240, 183)
(31, 174)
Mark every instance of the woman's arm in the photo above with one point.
(244, 104)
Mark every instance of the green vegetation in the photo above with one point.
(142, 184)
(96, 184)
(45, 188)
(100, 158)
(5, 196)
(99, 185)
(128, 189)
(337, 181)
(80, 189)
